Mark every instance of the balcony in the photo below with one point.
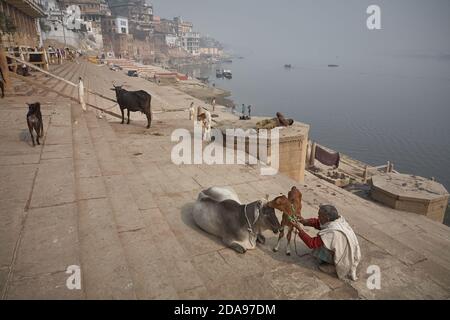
(32, 8)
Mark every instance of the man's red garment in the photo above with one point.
(312, 243)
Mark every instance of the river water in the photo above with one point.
(373, 109)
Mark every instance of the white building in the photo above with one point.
(210, 51)
(60, 25)
(172, 41)
(117, 24)
(190, 42)
(122, 25)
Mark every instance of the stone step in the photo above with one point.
(105, 270)
(69, 71)
(73, 77)
(55, 68)
(20, 88)
(66, 71)
(172, 261)
(47, 241)
(148, 264)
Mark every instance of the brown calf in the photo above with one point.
(291, 207)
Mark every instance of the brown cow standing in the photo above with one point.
(290, 206)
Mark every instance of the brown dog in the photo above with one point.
(291, 208)
(34, 121)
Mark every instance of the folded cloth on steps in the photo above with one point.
(327, 158)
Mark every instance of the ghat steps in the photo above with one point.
(106, 197)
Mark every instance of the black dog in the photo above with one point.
(34, 120)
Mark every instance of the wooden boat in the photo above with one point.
(227, 74)
(203, 79)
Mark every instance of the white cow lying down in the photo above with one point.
(219, 211)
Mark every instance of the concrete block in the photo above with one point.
(419, 207)
(384, 198)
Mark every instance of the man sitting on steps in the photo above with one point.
(336, 245)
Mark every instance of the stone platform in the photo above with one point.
(293, 144)
(411, 193)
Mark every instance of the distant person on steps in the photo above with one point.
(2, 82)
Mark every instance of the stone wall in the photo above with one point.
(292, 153)
(293, 157)
(56, 32)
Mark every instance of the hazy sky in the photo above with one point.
(409, 27)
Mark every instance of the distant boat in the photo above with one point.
(219, 73)
(227, 60)
(333, 65)
(227, 74)
(203, 79)
(288, 66)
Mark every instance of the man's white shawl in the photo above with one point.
(339, 237)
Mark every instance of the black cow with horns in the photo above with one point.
(134, 101)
